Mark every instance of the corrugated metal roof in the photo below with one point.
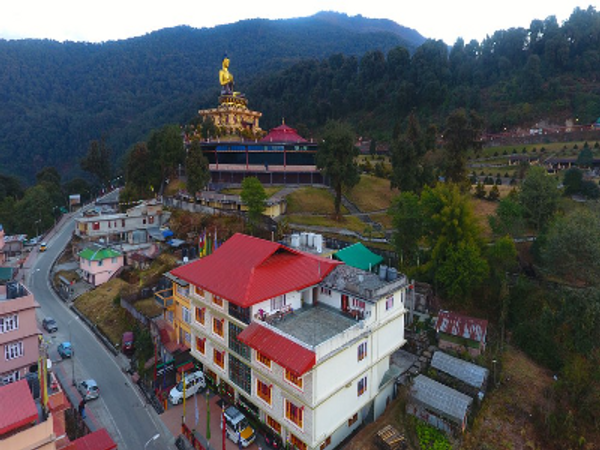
(283, 133)
(446, 401)
(358, 256)
(246, 270)
(471, 374)
(97, 440)
(278, 348)
(99, 253)
(17, 407)
(463, 326)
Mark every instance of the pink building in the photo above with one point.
(98, 264)
(19, 333)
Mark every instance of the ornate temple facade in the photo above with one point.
(233, 116)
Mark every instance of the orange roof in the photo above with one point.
(246, 270)
(17, 407)
(283, 351)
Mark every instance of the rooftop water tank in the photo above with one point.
(295, 240)
(319, 243)
(303, 239)
(392, 274)
(382, 272)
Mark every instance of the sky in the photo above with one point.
(98, 21)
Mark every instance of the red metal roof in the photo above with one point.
(246, 270)
(283, 133)
(17, 407)
(463, 326)
(278, 348)
(98, 440)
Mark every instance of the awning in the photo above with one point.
(184, 368)
(285, 352)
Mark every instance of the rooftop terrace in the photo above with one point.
(314, 325)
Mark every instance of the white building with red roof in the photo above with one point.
(300, 341)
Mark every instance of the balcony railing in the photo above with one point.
(164, 298)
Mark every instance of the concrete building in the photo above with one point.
(300, 341)
(99, 264)
(122, 227)
(19, 333)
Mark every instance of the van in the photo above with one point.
(194, 382)
(237, 427)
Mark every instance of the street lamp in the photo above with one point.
(494, 362)
(153, 438)
(72, 349)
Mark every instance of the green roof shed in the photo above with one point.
(359, 256)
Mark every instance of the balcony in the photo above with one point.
(164, 298)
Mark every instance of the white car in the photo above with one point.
(194, 382)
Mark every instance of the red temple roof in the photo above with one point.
(278, 348)
(17, 407)
(246, 270)
(283, 133)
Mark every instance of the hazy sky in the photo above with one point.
(96, 21)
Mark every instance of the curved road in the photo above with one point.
(121, 408)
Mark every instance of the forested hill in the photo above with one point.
(55, 98)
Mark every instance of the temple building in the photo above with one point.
(242, 149)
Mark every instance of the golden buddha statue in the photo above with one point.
(226, 78)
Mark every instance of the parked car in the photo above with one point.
(127, 343)
(65, 350)
(43, 247)
(50, 325)
(194, 382)
(88, 389)
(237, 427)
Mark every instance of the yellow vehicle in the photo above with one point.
(43, 247)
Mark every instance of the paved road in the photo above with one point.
(121, 408)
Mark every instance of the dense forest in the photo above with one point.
(55, 98)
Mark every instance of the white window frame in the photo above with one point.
(13, 350)
(277, 303)
(186, 314)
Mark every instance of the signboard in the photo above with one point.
(74, 199)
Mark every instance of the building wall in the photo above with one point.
(27, 333)
(99, 272)
(39, 437)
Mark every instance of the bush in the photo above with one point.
(431, 438)
(494, 194)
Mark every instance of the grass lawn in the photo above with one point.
(270, 190)
(101, 309)
(148, 307)
(384, 219)
(348, 222)
(310, 200)
(372, 194)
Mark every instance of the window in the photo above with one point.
(187, 337)
(297, 443)
(217, 300)
(295, 380)
(200, 315)
(113, 260)
(236, 345)
(274, 424)
(123, 223)
(326, 291)
(218, 326)
(263, 391)
(186, 316)
(277, 303)
(240, 374)
(100, 263)
(199, 291)
(95, 226)
(389, 303)
(11, 377)
(219, 358)
(294, 413)
(13, 350)
(201, 345)
(362, 351)
(352, 420)
(263, 359)
(9, 323)
(326, 443)
(241, 314)
(170, 316)
(361, 387)
(150, 220)
(358, 304)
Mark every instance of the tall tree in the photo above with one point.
(410, 171)
(141, 171)
(97, 161)
(571, 250)
(407, 220)
(166, 150)
(508, 219)
(462, 134)
(336, 158)
(196, 169)
(539, 197)
(254, 197)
